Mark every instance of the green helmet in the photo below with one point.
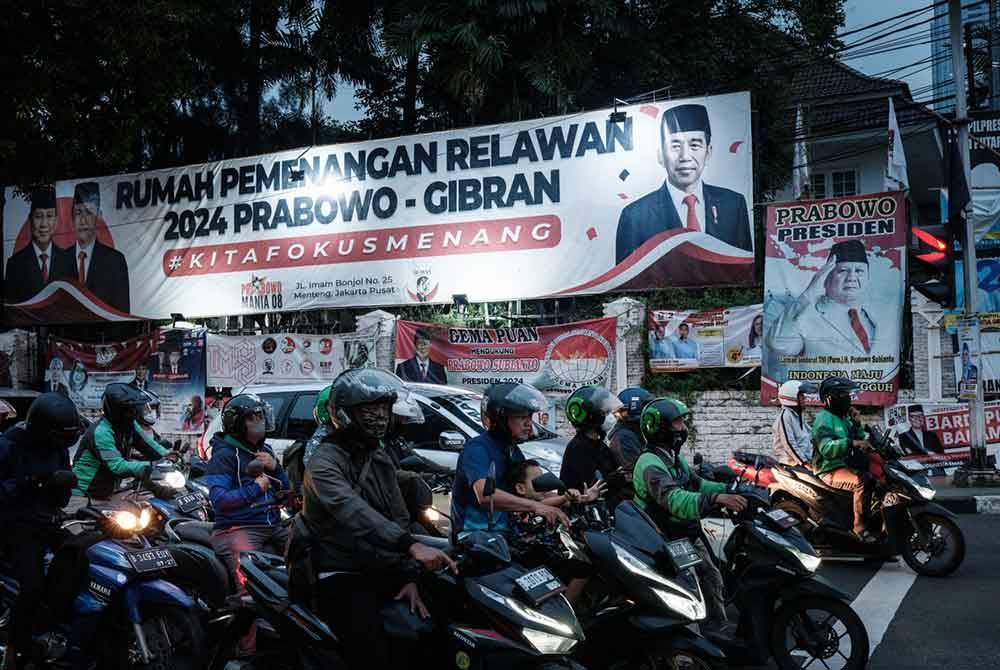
(588, 406)
(656, 420)
(320, 408)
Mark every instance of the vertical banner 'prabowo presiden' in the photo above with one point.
(833, 293)
(550, 358)
(562, 206)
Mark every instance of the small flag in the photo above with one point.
(801, 186)
(895, 171)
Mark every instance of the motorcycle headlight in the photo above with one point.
(547, 643)
(175, 479)
(925, 492)
(687, 606)
(674, 596)
(808, 561)
(145, 517)
(126, 520)
(526, 612)
(431, 515)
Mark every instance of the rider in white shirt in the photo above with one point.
(790, 434)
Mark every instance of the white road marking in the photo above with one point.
(880, 599)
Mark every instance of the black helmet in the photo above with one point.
(241, 406)
(54, 416)
(835, 392)
(151, 412)
(634, 398)
(361, 386)
(506, 400)
(656, 420)
(588, 406)
(122, 404)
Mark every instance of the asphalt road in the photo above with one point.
(950, 623)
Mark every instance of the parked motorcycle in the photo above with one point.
(645, 592)
(128, 615)
(924, 533)
(786, 611)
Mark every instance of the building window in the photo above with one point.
(845, 182)
(817, 185)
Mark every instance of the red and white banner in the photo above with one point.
(834, 287)
(935, 437)
(550, 358)
(285, 358)
(569, 205)
(717, 338)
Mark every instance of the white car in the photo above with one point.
(451, 417)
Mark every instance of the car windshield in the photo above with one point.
(466, 406)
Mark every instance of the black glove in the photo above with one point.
(60, 480)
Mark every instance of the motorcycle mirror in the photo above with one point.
(548, 482)
(255, 469)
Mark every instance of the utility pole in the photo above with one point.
(976, 469)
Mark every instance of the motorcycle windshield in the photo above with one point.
(636, 528)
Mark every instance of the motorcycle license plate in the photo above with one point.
(539, 584)
(782, 518)
(190, 502)
(683, 554)
(148, 560)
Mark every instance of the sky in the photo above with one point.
(859, 13)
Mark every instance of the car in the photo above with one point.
(451, 417)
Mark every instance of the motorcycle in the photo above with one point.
(645, 594)
(924, 533)
(127, 615)
(495, 614)
(786, 611)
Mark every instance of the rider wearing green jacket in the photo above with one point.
(676, 497)
(835, 433)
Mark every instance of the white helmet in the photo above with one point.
(788, 393)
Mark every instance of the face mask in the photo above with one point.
(372, 420)
(840, 404)
(256, 430)
(680, 437)
(149, 416)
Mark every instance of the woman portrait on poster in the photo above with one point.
(77, 377)
(752, 351)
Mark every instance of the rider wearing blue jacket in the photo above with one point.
(245, 516)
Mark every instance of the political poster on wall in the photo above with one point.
(935, 436)
(171, 364)
(286, 358)
(833, 293)
(561, 206)
(983, 368)
(687, 340)
(550, 358)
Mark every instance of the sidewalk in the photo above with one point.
(966, 500)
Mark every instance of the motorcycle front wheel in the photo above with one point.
(174, 637)
(940, 552)
(819, 629)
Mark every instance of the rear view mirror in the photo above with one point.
(451, 440)
(491, 481)
(548, 482)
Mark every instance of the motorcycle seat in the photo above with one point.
(199, 532)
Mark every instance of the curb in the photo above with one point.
(971, 504)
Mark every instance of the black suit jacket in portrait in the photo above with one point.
(107, 276)
(932, 445)
(409, 370)
(24, 272)
(654, 213)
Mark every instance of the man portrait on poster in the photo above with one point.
(830, 316)
(970, 371)
(684, 200)
(41, 261)
(54, 383)
(100, 268)
(141, 379)
(421, 368)
(918, 440)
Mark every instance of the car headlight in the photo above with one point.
(808, 561)
(175, 479)
(547, 643)
(693, 609)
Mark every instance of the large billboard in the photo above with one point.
(569, 205)
(550, 358)
(834, 286)
(718, 338)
